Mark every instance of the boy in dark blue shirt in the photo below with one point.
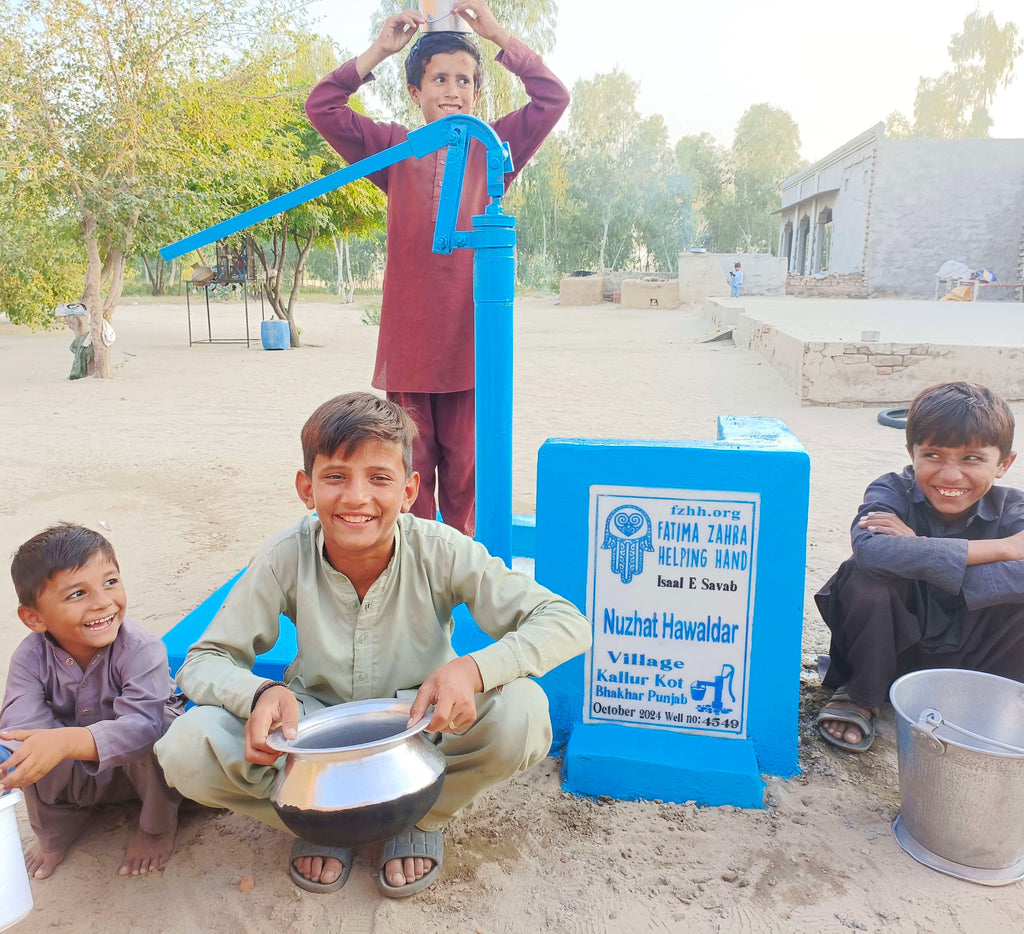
(937, 574)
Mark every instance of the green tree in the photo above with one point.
(618, 165)
(662, 221)
(735, 190)
(116, 107)
(38, 269)
(956, 104)
(298, 155)
(765, 150)
(538, 200)
(705, 173)
(897, 126)
(294, 154)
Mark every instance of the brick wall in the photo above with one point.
(935, 200)
(887, 359)
(851, 285)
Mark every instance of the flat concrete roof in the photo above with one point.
(984, 323)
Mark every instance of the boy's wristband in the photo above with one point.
(266, 686)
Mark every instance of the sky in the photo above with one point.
(836, 68)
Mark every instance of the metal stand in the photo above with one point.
(206, 286)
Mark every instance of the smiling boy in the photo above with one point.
(88, 693)
(937, 574)
(370, 589)
(425, 345)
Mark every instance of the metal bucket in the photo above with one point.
(960, 739)
(440, 17)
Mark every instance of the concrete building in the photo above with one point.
(878, 217)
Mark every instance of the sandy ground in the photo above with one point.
(188, 456)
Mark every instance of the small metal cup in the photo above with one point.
(440, 17)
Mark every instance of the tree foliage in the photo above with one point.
(955, 105)
(538, 200)
(618, 166)
(735, 190)
(293, 154)
(704, 172)
(116, 110)
(765, 150)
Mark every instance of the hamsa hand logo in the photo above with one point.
(628, 534)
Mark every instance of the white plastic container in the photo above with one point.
(15, 894)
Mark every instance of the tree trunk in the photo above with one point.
(350, 292)
(92, 296)
(155, 274)
(339, 257)
(102, 272)
(293, 298)
(272, 269)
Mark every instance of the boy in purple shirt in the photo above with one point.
(937, 574)
(88, 693)
(425, 346)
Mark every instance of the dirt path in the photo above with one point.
(189, 456)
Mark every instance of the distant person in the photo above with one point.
(371, 590)
(937, 574)
(735, 281)
(88, 694)
(425, 347)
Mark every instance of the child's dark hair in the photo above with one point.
(347, 421)
(952, 415)
(437, 43)
(62, 547)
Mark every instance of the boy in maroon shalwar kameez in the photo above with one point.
(425, 348)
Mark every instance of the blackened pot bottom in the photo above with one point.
(360, 825)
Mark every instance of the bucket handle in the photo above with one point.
(930, 719)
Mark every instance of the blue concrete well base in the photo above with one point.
(629, 763)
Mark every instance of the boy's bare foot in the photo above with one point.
(40, 863)
(148, 852)
(410, 862)
(851, 727)
(848, 732)
(401, 872)
(319, 869)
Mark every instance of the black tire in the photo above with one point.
(893, 418)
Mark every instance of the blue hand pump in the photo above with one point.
(493, 238)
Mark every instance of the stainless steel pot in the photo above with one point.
(355, 773)
(440, 17)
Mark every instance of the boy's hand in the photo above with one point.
(394, 36)
(398, 30)
(482, 21)
(887, 523)
(41, 751)
(277, 707)
(452, 689)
